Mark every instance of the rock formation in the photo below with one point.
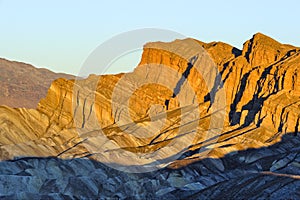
(88, 118)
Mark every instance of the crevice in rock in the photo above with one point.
(183, 78)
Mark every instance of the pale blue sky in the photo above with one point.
(60, 35)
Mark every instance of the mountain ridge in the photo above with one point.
(246, 148)
(253, 81)
(23, 85)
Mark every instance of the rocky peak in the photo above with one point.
(263, 50)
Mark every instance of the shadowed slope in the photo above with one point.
(271, 172)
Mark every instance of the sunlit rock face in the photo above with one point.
(250, 96)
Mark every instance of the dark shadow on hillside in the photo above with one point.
(268, 172)
(257, 101)
(182, 79)
(236, 52)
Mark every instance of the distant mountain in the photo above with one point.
(204, 128)
(23, 85)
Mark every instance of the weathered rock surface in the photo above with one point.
(88, 118)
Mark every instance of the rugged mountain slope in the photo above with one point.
(253, 103)
(23, 85)
(262, 102)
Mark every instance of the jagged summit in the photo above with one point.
(263, 50)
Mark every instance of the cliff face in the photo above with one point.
(260, 83)
(265, 78)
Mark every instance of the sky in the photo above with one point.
(60, 35)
